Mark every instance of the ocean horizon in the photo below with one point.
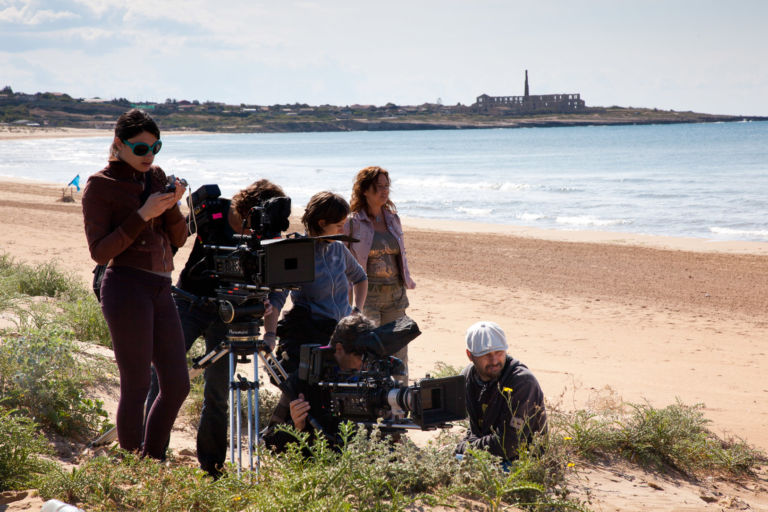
(705, 181)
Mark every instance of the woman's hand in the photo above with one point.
(180, 189)
(299, 412)
(156, 204)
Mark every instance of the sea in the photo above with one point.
(705, 181)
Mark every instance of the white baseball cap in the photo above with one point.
(484, 337)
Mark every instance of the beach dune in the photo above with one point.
(644, 318)
(596, 316)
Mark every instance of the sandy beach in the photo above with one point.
(642, 318)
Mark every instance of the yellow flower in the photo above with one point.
(571, 464)
(236, 498)
(567, 438)
(507, 390)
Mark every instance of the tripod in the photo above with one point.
(241, 343)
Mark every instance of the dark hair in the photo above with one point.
(366, 179)
(132, 123)
(254, 194)
(349, 329)
(325, 206)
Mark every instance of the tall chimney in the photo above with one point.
(526, 83)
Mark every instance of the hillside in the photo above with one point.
(62, 111)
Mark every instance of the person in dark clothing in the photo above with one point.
(222, 219)
(294, 408)
(131, 223)
(505, 403)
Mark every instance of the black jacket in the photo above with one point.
(504, 412)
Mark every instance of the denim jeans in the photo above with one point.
(212, 430)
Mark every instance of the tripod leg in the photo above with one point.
(255, 444)
(250, 427)
(239, 432)
(232, 391)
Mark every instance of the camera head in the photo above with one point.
(248, 266)
(270, 218)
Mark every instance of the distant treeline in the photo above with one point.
(61, 110)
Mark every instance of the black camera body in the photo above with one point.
(373, 396)
(171, 185)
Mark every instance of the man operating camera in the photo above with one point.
(216, 220)
(296, 406)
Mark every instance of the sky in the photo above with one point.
(705, 56)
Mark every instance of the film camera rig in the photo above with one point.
(245, 274)
(373, 395)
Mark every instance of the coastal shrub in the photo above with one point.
(46, 280)
(674, 437)
(21, 448)
(7, 284)
(367, 474)
(123, 481)
(40, 376)
(84, 317)
(444, 370)
(677, 436)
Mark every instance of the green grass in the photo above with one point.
(41, 296)
(41, 376)
(21, 451)
(43, 280)
(444, 370)
(672, 438)
(84, 317)
(366, 475)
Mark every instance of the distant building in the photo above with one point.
(529, 103)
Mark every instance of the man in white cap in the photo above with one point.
(505, 403)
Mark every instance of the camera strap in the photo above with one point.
(147, 188)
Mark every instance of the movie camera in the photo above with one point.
(262, 260)
(373, 395)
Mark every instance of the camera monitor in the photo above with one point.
(288, 261)
(440, 401)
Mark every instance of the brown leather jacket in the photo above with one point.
(115, 231)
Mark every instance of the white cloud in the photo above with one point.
(28, 14)
(12, 15)
(343, 52)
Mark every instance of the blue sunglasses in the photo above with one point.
(142, 148)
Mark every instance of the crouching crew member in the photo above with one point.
(294, 409)
(505, 403)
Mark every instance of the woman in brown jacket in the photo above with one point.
(131, 224)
